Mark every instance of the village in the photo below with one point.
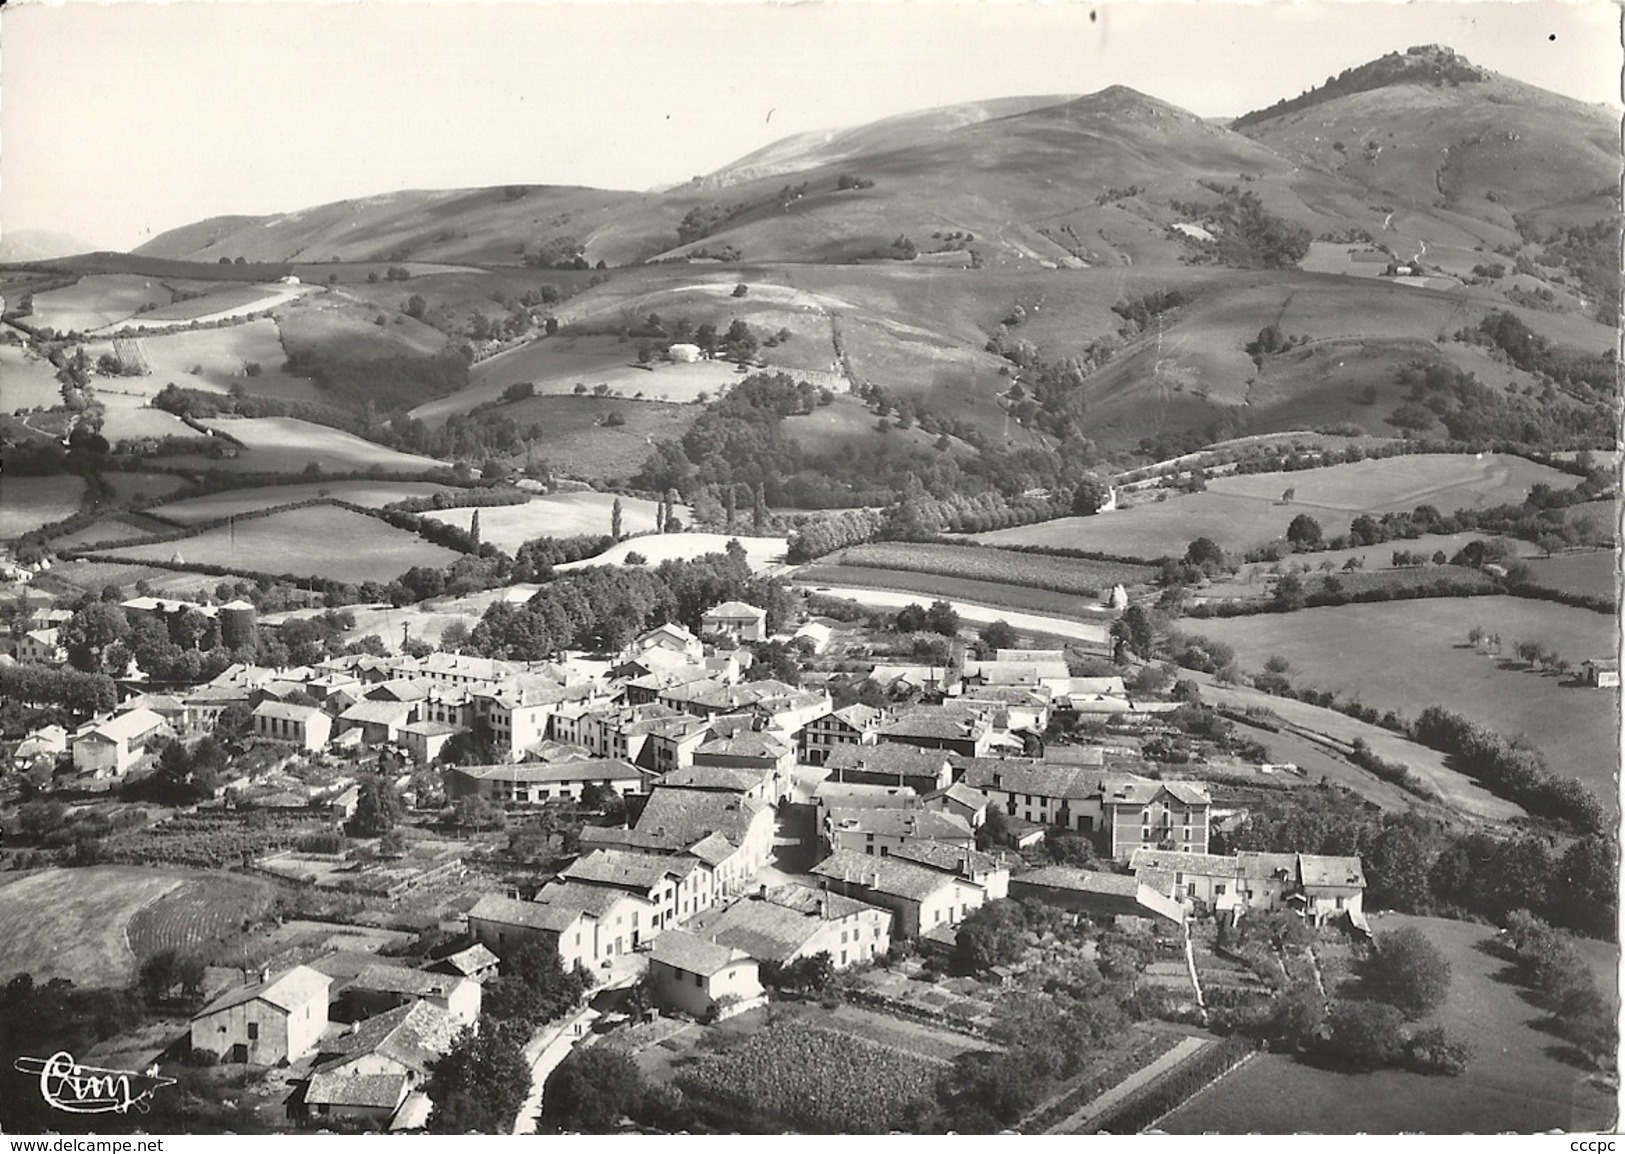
(723, 833)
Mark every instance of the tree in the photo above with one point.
(990, 936)
(534, 987)
(1205, 554)
(1135, 630)
(1297, 1017)
(479, 1084)
(91, 635)
(1365, 1035)
(615, 520)
(1304, 532)
(592, 1090)
(998, 635)
(377, 808)
(1089, 496)
(474, 529)
(1410, 972)
(942, 618)
(1289, 593)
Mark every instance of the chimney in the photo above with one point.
(761, 891)
(964, 865)
(823, 909)
(265, 974)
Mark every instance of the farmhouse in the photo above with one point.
(735, 620)
(275, 1020)
(671, 638)
(760, 785)
(424, 740)
(1318, 887)
(584, 924)
(380, 722)
(960, 800)
(704, 979)
(475, 962)
(304, 725)
(782, 924)
(1602, 672)
(110, 748)
(919, 897)
(955, 730)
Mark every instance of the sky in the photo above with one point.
(120, 120)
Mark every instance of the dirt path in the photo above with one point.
(1078, 1122)
(543, 1053)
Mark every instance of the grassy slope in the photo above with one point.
(71, 923)
(375, 494)
(1407, 655)
(1513, 1083)
(322, 541)
(26, 503)
(287, 445)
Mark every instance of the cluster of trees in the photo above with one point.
(1418, 65)
(1513, 769)
(939, 618)
(76, 692)
(603, 608)
(1246, 235)
(1472, 411)
(1414, 864)
(1548, 961)
(1592, 374)
(182, 776)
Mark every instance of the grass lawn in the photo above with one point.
(288, 445)
(1407, 655)
(121, 527)
(26, 503)
(1246, 511)
(234, 502)
(320, 541)
(62, 923)
(555, 515)
(1514, 1082)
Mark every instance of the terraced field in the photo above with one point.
(196, 914)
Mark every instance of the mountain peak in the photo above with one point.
(1428, 65)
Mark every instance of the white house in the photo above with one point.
(111, 747)
(304, 725)
(704, 979)
(275, 1020)
(737, 620)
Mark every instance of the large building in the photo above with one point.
(783, 924)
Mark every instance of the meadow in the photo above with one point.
(220, 357)
(318, 541)
(223, 304)
(235, 502)
(765, 554)
(1590, 574)
(72, 923)
(1083, 578)
(555, 515)
(1513, 1082)
(139, 486)
(288, 445)
(26, 503)
(96, 301)
(127, 418)
(27, 381)
(1406, 655)
(1243, 512)
(114, 528)
(569, 435)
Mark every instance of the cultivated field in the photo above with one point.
(1407, 655)
(235, 502)
(1078, 577)
(1512, 1083)
(286, 445)
(95, 302)
(131, 419)
(27, 381)
(929, 586)
(26, 503)
(196, 914)
(1243, 512)
(320, 541)
(765, 554)
(72, 923)
(555, 515)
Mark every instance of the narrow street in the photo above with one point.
(543, 1053)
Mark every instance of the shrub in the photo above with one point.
(1430, 1051)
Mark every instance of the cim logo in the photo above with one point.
(66, 1085)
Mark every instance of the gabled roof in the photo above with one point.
(379, 712)
(400, 980)
(1015, 672)
(1251, 864)
(1024, 776)
(1050, 655)
(470, 961)
(1081, 881)
(125, 726)
(694, 955)
(948, 858)
(936, 722)
(730, 610)
(1319, 870)
(639, 872)
(1128, 789)
(285, 712)
(681, 817)
(289, 991)
(723, 778)
(963, 794)
(527, 915)
(379, 1091)
(413, 1036)
(570, 897)
(856, 795)
(774, 926)
(884, 875)
(745, 743)
(904, 823)
(592, 769)
(1201, 864)
(888, 757)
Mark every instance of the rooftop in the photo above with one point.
(692, 954)
(288, 991)
(885, 875)
(413, 1036)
